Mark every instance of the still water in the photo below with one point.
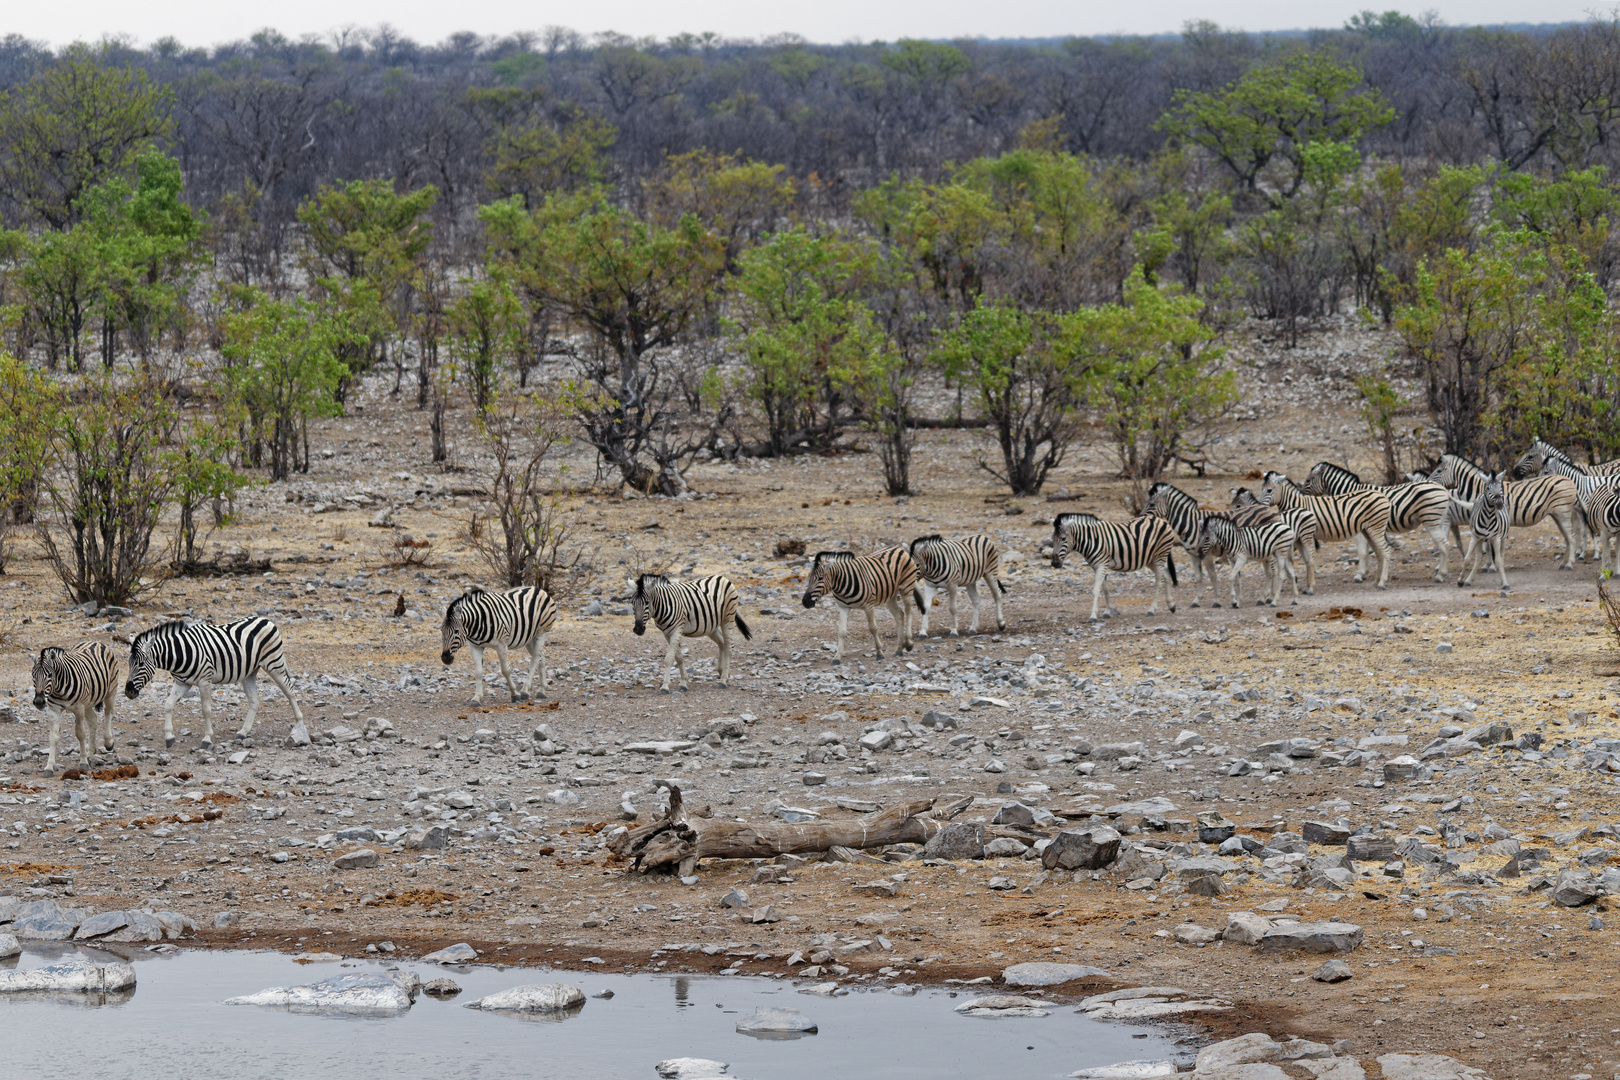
(174, 1027)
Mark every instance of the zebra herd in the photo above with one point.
(1269, 527)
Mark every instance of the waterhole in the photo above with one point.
(174, 1026)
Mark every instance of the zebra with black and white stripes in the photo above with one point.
(1531, 462)
(1487, 530)
(203, 655)
(1186, 517)
(886, 578)
(1603, 518)
(1301, 519)
(1360, 515)
(79, 679)
(1268, 543)
(1413, 505)
(696, 607)
(1141, 543)
(946, 565)
(1587, 486)
(1528, 501)
(510, 619)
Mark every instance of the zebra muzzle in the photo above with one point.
(640, 628)
(131, 690)
(39, 701)
(447, 657)
(809, 601)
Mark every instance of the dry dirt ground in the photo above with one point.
(1503, 980)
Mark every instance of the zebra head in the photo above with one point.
(45, 668)
(641, 590)
(1275, 489)
(143, 656)
(1327, 478)
(1066, 532)
(452, 633)
(1216, 535)
(1534, 460)
(1445, 471)
(1244, 497)
(1495, 493)
(816, 587)
(923, 553)
(1162, 496)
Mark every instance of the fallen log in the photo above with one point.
(674, 842)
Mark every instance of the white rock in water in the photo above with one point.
(547, 997)
(777, 1021)
(999, 1001)
(361, 994)
(9, 946)
(74, 976)
(691, 1068)
(1128, 1070)
(460, 953)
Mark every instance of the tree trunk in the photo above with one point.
(673, 842)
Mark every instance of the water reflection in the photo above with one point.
(683, 987)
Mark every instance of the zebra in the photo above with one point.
(1186, 517)
(1603, 518)
(1363, 515)
(520, 617)
(948, 564)
(1269, 543)
(212, 653)
(696, 607)
(1533, 461)
(1487, 529)
(1301, 519)
(1413, 505)
(1587, 485)
(80, 678)
(883, 578)
(1140, 543)
(1528, 501)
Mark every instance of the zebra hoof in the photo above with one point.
(1382, 588)
(167, 743)
(1195, 604)
(1358, 579)
(207, 745)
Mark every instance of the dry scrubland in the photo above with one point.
(1453, 961)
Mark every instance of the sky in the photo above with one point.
(209, 22)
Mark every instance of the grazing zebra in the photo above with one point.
(81, 678)
(520, 617)
(1413, 505)
(1528, 501)
(1269, 543)
(698, 607)
(1140, 543)
(1363, 515)
(1301, 519)
(884, 578)
(207, 653)
(949, 564)
(1487, 529)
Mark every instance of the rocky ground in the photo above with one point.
(1432, 765)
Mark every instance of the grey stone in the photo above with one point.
(1245, 927)
(1252, 1048)
(689, 1068)
(958, 840)
(1405, 767)
(1115, 751)
(1082, 849)
(1334, 971)
(364, 995)
(1193, 934)
(1575, 888)
(1142, 1069)
(777, 1022)
(1002, 1005)
(427, 837)
(936, 719)
(299, 736)
(1014, 813)
(1207, 885)
(9, 946)
(142, 927)
(1321, 937)
(362, 859)
(441, 987)
(460, 953)
(44, 927)
(100, 925)
(70, 976)
(1214, 828)
(1426, 1067)
(1133, 864)
(1325, 832)
(814, 779)
(540, 998)
(1038, 973)
(1004, 847)
(1370, 847)
(736, 898)
(1489, 733)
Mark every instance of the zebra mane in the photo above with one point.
(51, 652)
(931, 538)
(641, 582)
(1075, 518)
(455, 605)
(160, 632)
(1277, 478)
(1162, 487)
(1547, 449)
(1243, 494)
(1332, 466)
(834, 557)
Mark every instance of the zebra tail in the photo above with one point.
(1170, 565)
(1002, 585)
(916, 595)
(748, 635)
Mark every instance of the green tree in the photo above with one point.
(538, 151)
(200, 462)
(28, 402)
(485, 327)
(1380, 403)
(1261, 127)
(76, 124)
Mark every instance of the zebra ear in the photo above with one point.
(633, 585)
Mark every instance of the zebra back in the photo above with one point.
(1338, 517)
(1180, 509)
(83, 673)
(693, 606)
(959, 562)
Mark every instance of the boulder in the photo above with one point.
(1370, 847)
(768, 1022)
(540, 998)
(689, 1068)
(1133, 864)
(1003, 1005)
(958, 840)
(363, 995)
(1426, 1067)
(142, 926)
(46, 926)
(1115, 751)
(1254, 1047)
(1575, 888)
(427, 837)
(1325, 832)
(460, 953)
(1038, 973)
(9, 946)
(1252, 1071)
(360, 859)
(1489, 733)
(1128, 1070)
(101, 925)
(1334, 971)
(1081, 849)
(1245, 927)
(1193, 934)
(71, 976)
(1319, 937)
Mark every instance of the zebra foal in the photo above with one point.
(886, 578)
(699, 607)
(946, 565)
(211, 654)
(1487, 530)
(80, 678)
(1268, 543)
(513, 618)
(1300, 519)
(1140, 543)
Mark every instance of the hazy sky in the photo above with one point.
(205, 22)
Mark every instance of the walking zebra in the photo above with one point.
(511, 619)
(1140, 543)
(887, 578)
(1186, 517)
(197, 653)
(949, 564)
(1363, 515)
(1301, 519)
(1531, 462)
(1587, 485)
(1603, 516)
(80, 678)
(1269, 543)
(1487, 530)
(1528, 501)
(1413, 505)
(699, 607)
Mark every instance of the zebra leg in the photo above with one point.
(1568, 529)
(1361, 559)
(1306, 557)
(925, 593)
(477, 652)
(1384, 559)
(722, 638)
(950, 599)
(107, 713)
(278, 675)
(871, 624)
(1285, 563)
(506, 668)
(903, 624)
(673, 659)
(843, 631)
(997, 592)
(177, 690)
(1438, 535)
(973, 599)
(1470, 561)
(250, 685)
(206, 698)
(56, 734)
(1240, 559)
(536, 650)
(1097, 590)
(83, 730)
(1499, 547)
